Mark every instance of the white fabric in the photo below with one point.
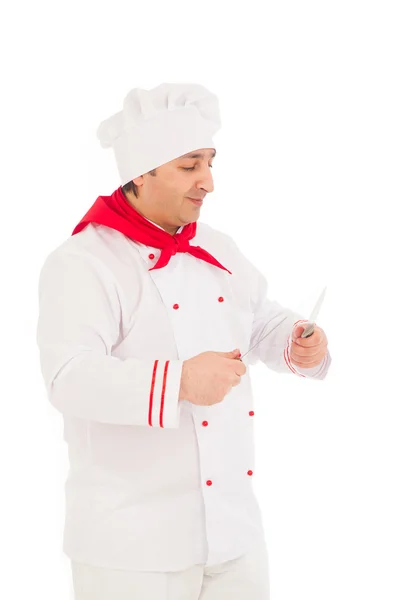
(159, 226)
(136, 494)
(158, 125)
(246, 577)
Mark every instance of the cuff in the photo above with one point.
(303, 371)
(164, 408)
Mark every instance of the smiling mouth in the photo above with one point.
(196, 201)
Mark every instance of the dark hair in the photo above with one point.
(132, 187)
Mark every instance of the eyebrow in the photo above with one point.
(199, 155)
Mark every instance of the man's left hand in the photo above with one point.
(308, 352)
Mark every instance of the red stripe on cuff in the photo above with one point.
(163, 393)
(286, 355)
(153, 381)
(287, 360)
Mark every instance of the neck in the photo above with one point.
(134, 202)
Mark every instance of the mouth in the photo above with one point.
(198, 202)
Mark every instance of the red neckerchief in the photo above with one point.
(116, 212)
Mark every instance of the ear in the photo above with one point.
(138, 180)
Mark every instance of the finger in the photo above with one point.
(311, 351)
(317, 338)
(308, 363)
(313, 340)
(301, 353)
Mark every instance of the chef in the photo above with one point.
(144, 313)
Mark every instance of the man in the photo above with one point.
(144, 315)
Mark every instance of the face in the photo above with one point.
(165, 198)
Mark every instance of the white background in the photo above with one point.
(307, 183)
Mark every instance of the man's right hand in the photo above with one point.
(208, 377)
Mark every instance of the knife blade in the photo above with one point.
(309, 327)
(263, 338)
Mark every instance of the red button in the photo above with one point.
(176, 306)
(220, 299)
(209, 482)
(249, 472)
(205, 423)
(251, 413)
(151, 256)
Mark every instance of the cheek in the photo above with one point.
(178, 185)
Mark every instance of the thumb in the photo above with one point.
(297, 331)
(235, 352)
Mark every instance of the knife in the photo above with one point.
(309, 328)
(263, 338)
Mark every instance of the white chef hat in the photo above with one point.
(159, 125)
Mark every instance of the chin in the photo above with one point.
(188, 220)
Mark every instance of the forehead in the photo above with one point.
(202, 153)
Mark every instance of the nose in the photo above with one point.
(205, 180)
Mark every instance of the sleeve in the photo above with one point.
(77, 328)
(274, 350)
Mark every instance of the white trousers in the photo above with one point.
(243, 578)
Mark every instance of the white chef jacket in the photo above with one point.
(155, 484)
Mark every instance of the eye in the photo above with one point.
(191, 168)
